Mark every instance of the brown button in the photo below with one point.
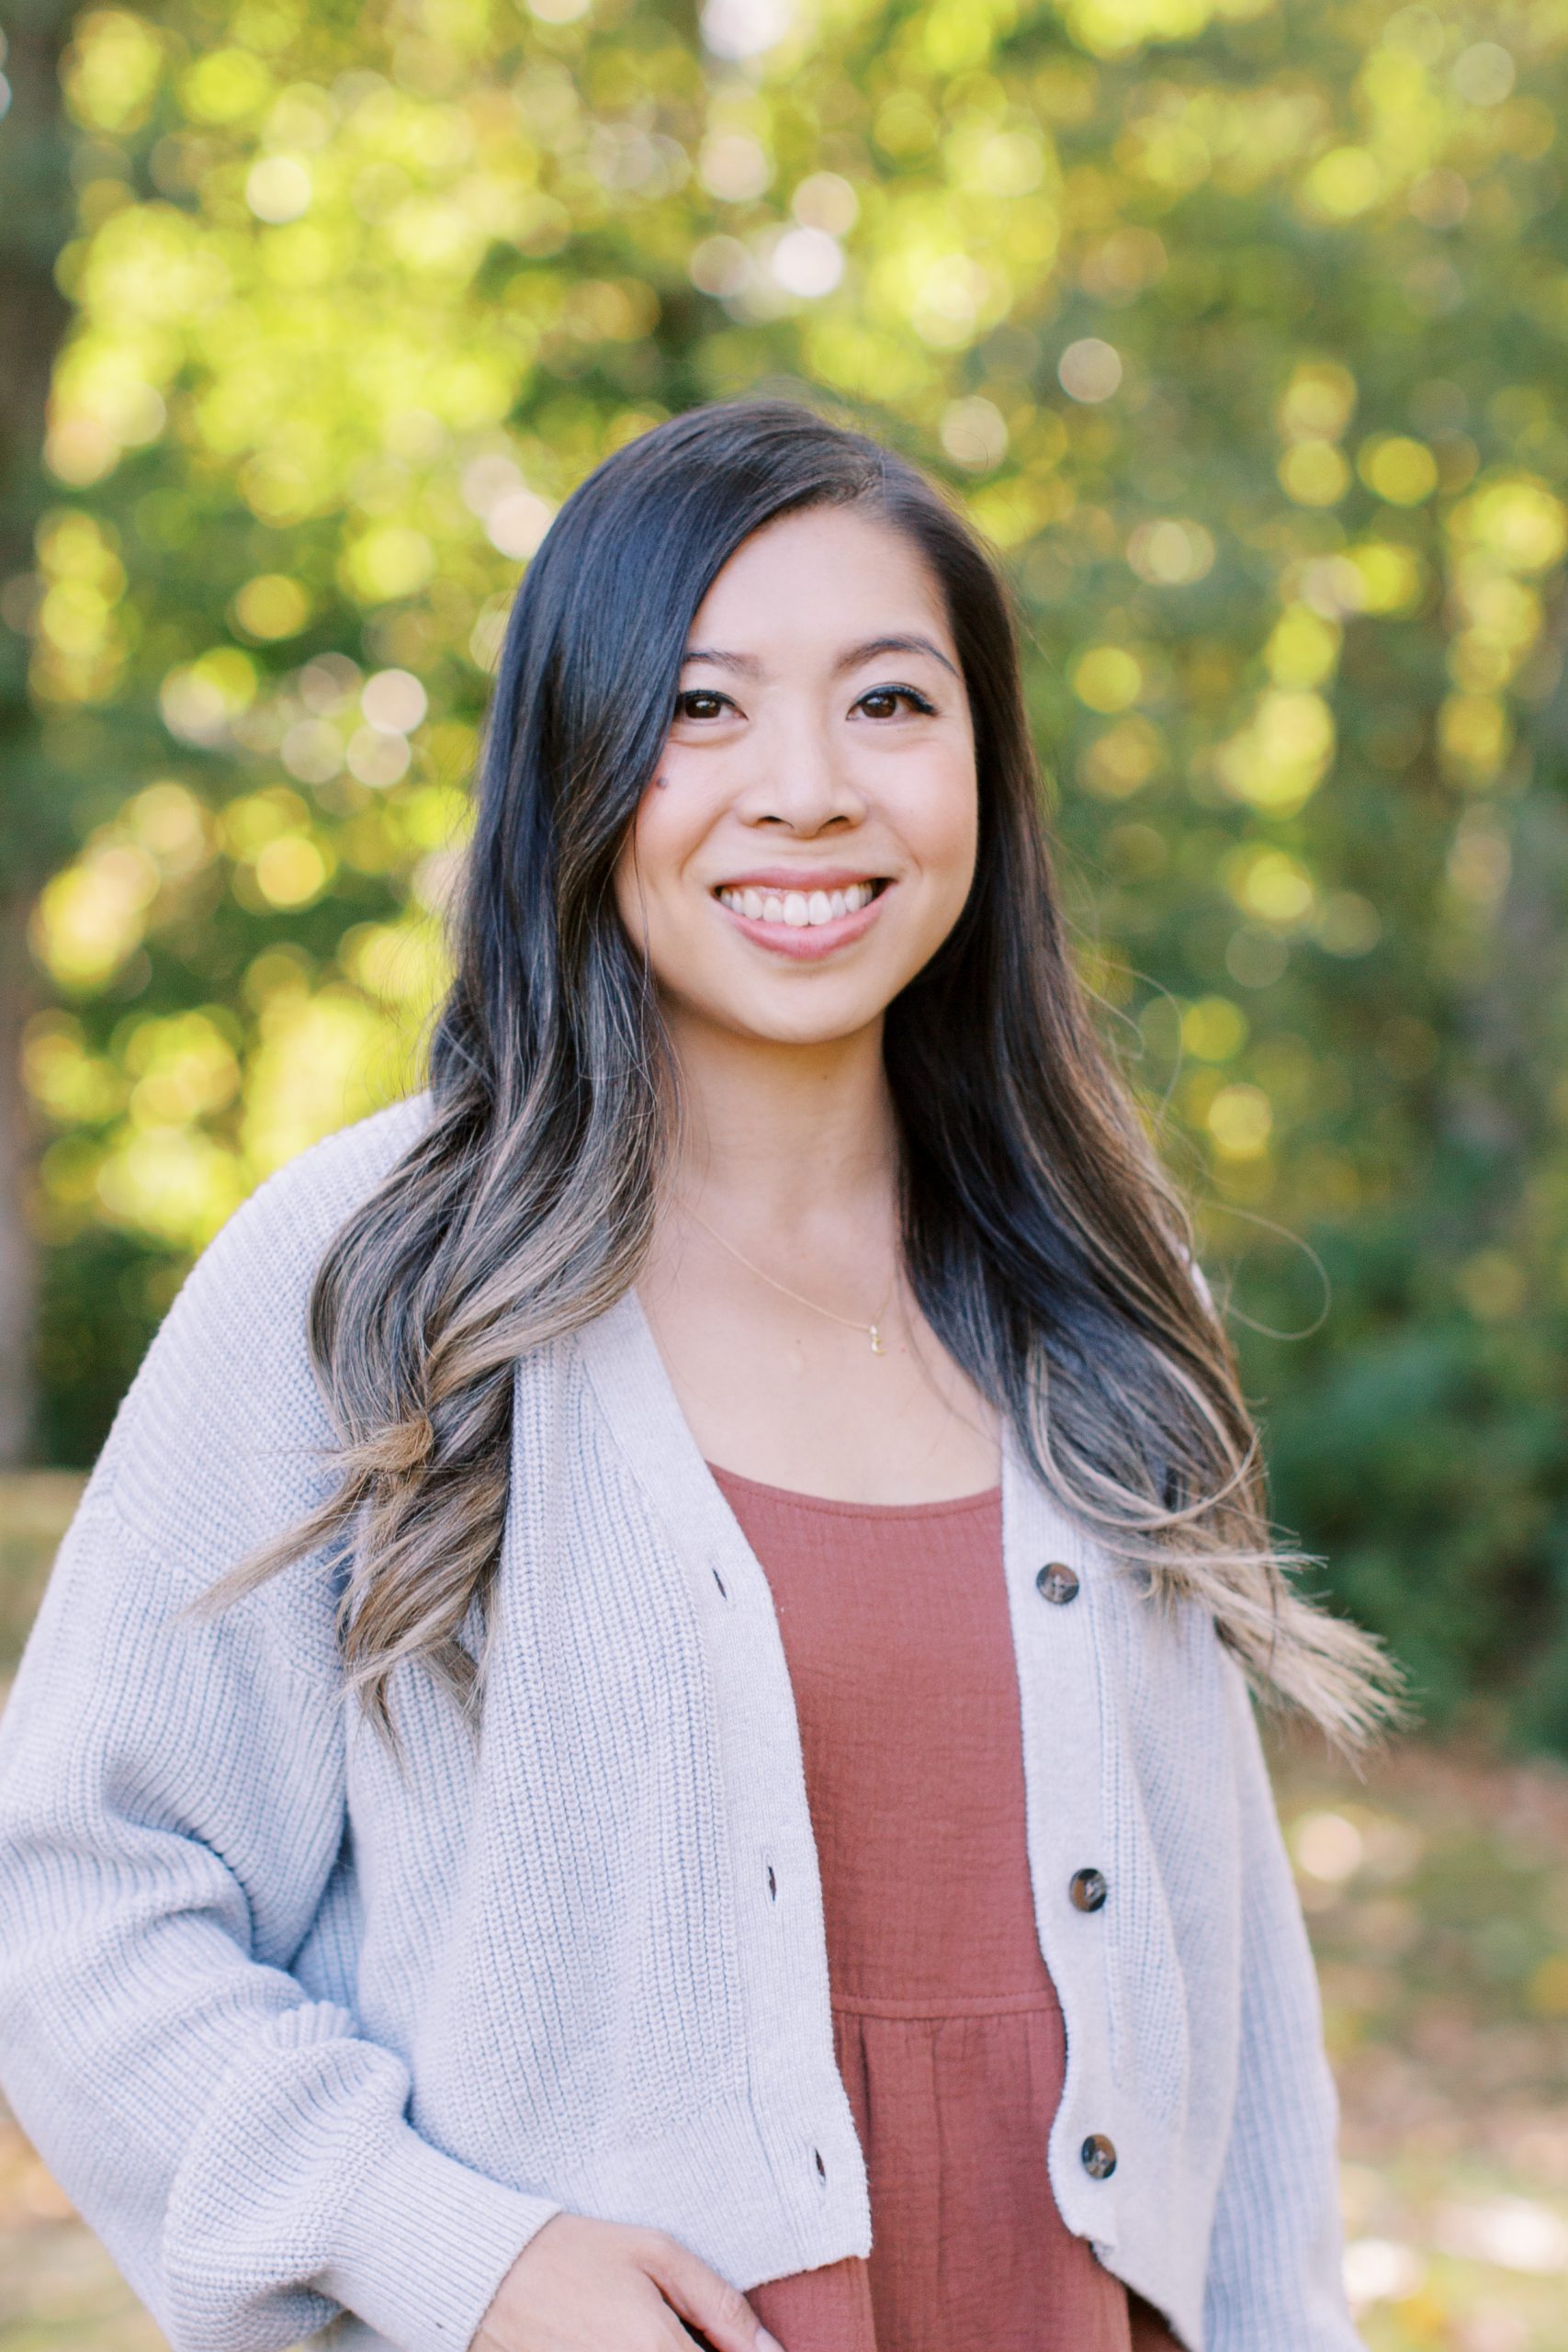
(1056, 1582)
(1087, 1889)
(1097, 2156)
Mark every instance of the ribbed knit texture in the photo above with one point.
(304, 2032)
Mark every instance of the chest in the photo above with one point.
(785, 1393)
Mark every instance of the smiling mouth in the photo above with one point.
(799, 909)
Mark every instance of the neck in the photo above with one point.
(775, 1136)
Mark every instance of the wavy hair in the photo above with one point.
(1045, 1243)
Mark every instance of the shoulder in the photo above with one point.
(223, 1437)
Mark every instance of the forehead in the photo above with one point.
(822, 578)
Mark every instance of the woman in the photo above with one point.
(641, 1733)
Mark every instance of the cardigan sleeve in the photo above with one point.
(171, 1811)
(174, 1824)
(1275, 2280)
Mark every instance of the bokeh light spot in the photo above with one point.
(278, 188)
(1107, 678)
(1089, 369)
(271, 606)
(807, 261)
(975, 435)
(1484, 74)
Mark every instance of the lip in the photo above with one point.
(809, 943)
(799, 877)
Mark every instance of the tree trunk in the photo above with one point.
(35, 215)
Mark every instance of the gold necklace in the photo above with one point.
(874, 1330)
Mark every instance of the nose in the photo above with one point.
(800, 781)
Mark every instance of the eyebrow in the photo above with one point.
(876, 646)
(747, 664)
(750, 666)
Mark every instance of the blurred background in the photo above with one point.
(1240, 329)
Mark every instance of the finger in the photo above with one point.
(680, 2338)
(708, 2303)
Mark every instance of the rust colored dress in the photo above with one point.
(946, 2026)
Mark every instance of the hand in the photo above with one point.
(581, 2285)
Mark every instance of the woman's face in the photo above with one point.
(810, 839)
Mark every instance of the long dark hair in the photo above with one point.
(1041, 1238)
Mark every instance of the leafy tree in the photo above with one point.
(1239, 327)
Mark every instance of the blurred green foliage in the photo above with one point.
(1240, 328)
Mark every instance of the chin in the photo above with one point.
(798, 1024)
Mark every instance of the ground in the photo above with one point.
(1436, 1888)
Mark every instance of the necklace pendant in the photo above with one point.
(876, 1347)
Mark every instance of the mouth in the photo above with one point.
(806, 915)
(801, 910)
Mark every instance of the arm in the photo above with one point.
(171, 1809)
(1275, 2277)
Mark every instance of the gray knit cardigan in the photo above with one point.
(313, 2038)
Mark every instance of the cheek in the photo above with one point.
(665, 833)
(949, 823)
(650, 850)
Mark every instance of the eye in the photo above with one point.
(702, 702)
(884, 702)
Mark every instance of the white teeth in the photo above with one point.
(800, 909)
